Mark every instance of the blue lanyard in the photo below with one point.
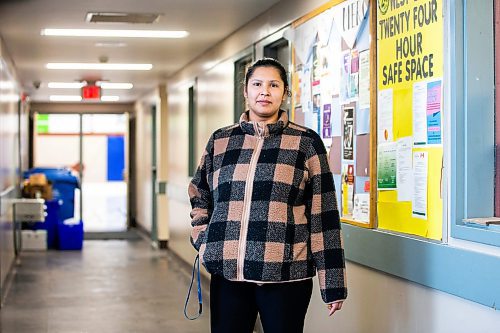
(196, 265)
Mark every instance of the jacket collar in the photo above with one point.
(259, 129)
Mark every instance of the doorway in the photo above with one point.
(93, 148)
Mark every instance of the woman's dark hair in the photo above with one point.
(268, 62)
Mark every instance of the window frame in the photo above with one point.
(472, 120)
(192, 162)
(273, 50)
(496, 13)
(240, 66)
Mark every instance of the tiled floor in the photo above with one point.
(110, 286)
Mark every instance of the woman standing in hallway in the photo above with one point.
(265, 215)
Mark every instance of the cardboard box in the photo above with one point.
(34, 240)
(38, 179)
(37, 191)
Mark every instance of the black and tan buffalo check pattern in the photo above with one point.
(293, 227)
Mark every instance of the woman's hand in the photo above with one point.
(334, 307)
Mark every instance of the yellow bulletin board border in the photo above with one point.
(373, 101)
(316, 12)
(423, 27)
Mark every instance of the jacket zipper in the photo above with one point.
(247, 201)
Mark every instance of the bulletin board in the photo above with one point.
(409, 114)
(333, 93)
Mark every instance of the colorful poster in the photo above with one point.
(327, 125)
(434, 112)
(354, 76)
(316, 118)
(387, 166)
(316, 65)
(347, 189)
(348, 139)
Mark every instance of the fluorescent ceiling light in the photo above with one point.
(100, 66)
(115, 33)
(66, 85)
(65, 98)
(6, 85)
(110, 98)
(79, 85)
(9, 98)
(114, 85)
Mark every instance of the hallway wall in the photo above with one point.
(162, 149)
(381, 303)
(144, 160)
(177, 177)
(9, 160)
(377, 302)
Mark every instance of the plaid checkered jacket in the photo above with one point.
(264, 207)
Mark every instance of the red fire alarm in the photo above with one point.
(91, 92)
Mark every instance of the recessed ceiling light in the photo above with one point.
(110, 98)
(9, 98)
(65, 98)
(78, 85)
(135, 18)
(115, 33)
(66, 85)
(110, 44)
(100, 66)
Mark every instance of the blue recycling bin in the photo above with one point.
(51, 221)
(64, 184)
(70, 235)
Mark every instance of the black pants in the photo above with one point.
(282, 306)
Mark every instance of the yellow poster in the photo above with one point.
(410, 69)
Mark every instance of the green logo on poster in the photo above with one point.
(383, 5)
